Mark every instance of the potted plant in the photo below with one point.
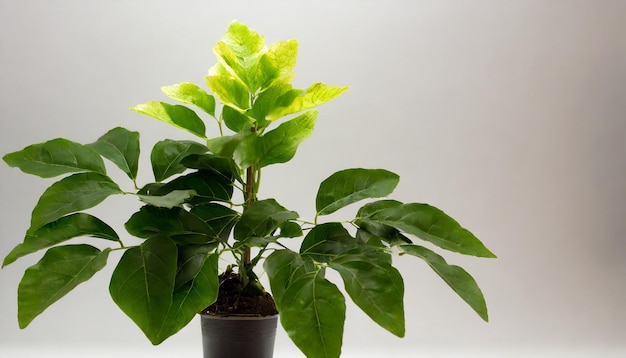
(204, 205)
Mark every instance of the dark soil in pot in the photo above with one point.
(231, 301)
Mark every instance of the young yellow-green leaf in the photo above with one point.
(191, 298)
(374, 285)
(61, 269)
(351, 185)
(190, 93)
(312, 312)
(71, 194)
(63, 229)
(167, 154)
(176, 115)
(228, 63)
(280, 144)
(431, 224)
(56, 157)
(276, 63)
(456, 277)
(315, 95)
(283, 55)
(230, 91)
(120, 146)
(243, 41)
(239, 50)
(142, 285)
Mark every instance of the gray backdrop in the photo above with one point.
(508, 115)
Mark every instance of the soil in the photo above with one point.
(232, 302)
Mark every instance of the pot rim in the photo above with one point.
(238, 317)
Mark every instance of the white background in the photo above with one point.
(508, 115)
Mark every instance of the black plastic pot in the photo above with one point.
(238, 336)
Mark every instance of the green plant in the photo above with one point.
(192, 214)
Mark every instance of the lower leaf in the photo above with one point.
(143, 282)
(283, 267)
(456, 277)
(192, 297)
(312, 312)
(61, 269)
(375, 286)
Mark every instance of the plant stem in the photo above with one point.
(250, 197)
(249, 201)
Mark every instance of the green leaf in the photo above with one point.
(376, 206)
(280, 144)
(225, 146)
(456, 277)
(121, 147)
(191, 260)
(256, 242)
(207, 185)
(241, 147)
(290, 229)
(223, 167)
(175, 115)
(261, 219)
(167, 154)
(235, 120)
(285, 266)
(218, 217)
(374, 285)
(368, 238)
(312, 312)
(56, 232)
(61, 269)
(71, 194)
(326, 241)
(280, 93)
(192, 297)
(142, 285)
(373, 230)
(176, 223)
(169, 200)
(313, 96)
(351, 185)
(433, 225)
(190, 93)
(56, 157)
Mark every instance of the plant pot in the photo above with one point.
(238, 336)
